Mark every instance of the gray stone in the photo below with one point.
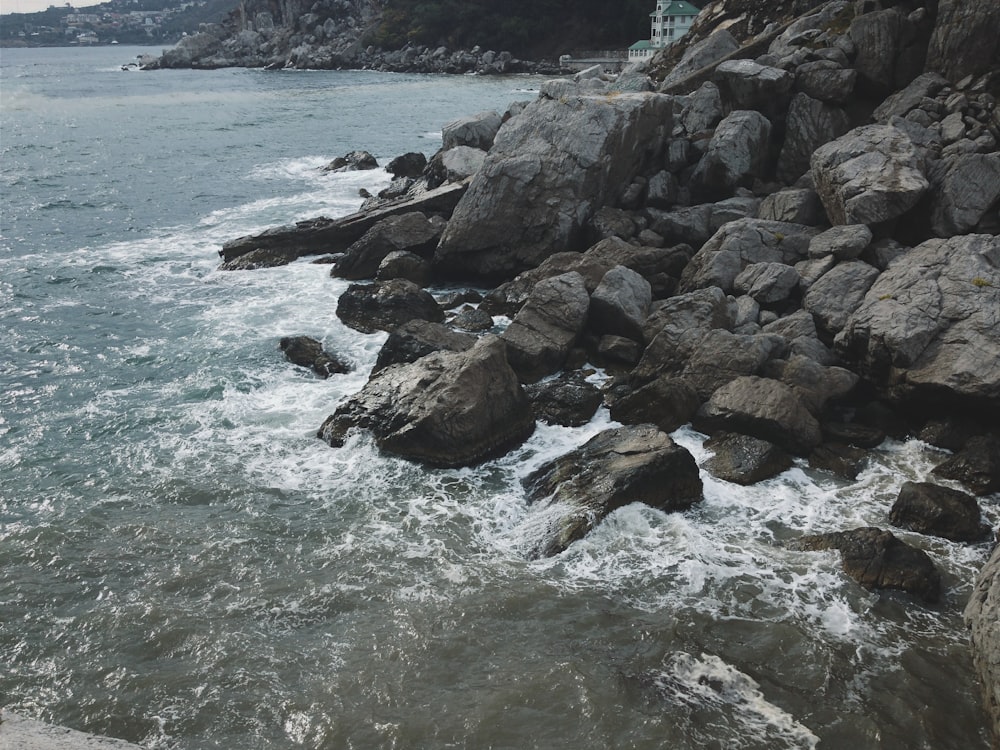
(308, 352)
(976, 465)
(931, 322)
(700, 55)
(767, 283)
(402, 264)
(811, 123)
(460, 162)
(965, 40)
(745, 460)
(568, 400)
(838, 293)
(547, 326)
(703, 109)
(620, 303)
(982, 615)
(476, 131)
(446, 409)
(745, 84)
(877, 40)
(413, 232)
(870, 175)
(550, 169)
(845, 242)
(575, 492)
(721, 356)
(736, 154)
(940, 511)
(20, 733)
(762, 408)
(418, 338)
(667, 402)
(386, 304)
(964, 189)
(795, 205)
(826, 80)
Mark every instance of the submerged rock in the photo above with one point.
(617, 467)
(745, 460)
(308, 352)
(977, 465)
(446, 409)
(568, 400)
(878, 560)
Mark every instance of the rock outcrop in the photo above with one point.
(982, 615)
(446, 409)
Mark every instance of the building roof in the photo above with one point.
(677, 8)
(643, 44)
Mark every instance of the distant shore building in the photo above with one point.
(670, 21)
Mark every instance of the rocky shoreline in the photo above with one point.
(790, 241)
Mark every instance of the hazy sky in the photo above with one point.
(33, 6)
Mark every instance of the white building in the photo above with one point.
(670, 21)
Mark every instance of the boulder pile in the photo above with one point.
(789, 239)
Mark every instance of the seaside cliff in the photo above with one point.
(784, 231)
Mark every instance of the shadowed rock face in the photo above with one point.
(446, 409)
(617, 467)
(982, 615)
(549, 170)
(878, 560)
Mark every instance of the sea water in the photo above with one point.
(184, 565)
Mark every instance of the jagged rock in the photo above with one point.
(411, 164)
(608, 222)
(549, 170)
(964, 189)
(618, 350)
(700, 55)
(917, 92)
(745, 460)
(740, 243)
(418, 338)
(763, 408)
(932, 323)
(662, 190)
(977, 465)
(510, 296)
(844, 461)
(816, 384)
(568, 400)
(767, 283)
(965, 40)
(460, 162)
(799, 329)
(825, 80)
(853, 433)
(402, 264)
(308, 352)
(446, 409)
(547, 326)
(354, 161)
(745, 84)
(694, 225)
(870, 175)
(878, 560)
(736, 154)
(262, 258)
(413, 232)
(839, 293)
(20, 733)
(575, 492)
(808, 27)
(384, 305)
(794, 205)
(620, 303)
(931, 509)
(811, 123)
(721, 356)
(982, 615)
(476, 131)
(667, 402)
(877, 39)
(473, 319)
(702, 110)
(845, 242)
(681, 322)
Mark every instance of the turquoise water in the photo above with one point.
(182, 564)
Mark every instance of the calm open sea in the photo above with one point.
(182, 564)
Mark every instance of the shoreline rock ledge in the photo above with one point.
(20, 733)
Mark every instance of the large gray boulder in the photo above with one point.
(940, 511)
(931, 322)
(700, 55)
(413, 232)
(676, 327)
(838, 293)
(620, 303)
(548, 326)
(825, 80)
(736, 155)
(20, 733)
(745, 460)
(964, 189)
(746, 84)
(877, 39)
(764, 408)
(741, 243)
(386, 304)
(767, 283)
(551, 167)
(476, 131)
(573, 493)
(811, 123)
(872, 174)
(965, 40)
(982, 615)
(418, 338)
(446, 409)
